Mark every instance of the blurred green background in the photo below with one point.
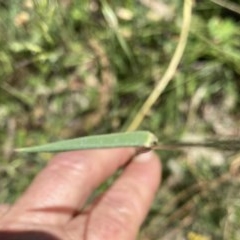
(71, 68)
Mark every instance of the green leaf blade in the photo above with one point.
(143, 139)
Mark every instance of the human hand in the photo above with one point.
(52, 207)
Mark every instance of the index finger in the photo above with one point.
(64, 185)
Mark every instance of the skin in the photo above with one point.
(53, 207)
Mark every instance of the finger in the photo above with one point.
(4, 209)
(122, 209)
(64, 185)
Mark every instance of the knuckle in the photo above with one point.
(76, 165)
(124, 203)
(110, 227)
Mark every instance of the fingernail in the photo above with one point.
(144, 157)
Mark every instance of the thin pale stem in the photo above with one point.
(164, 81)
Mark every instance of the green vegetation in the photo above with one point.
(71, 68)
